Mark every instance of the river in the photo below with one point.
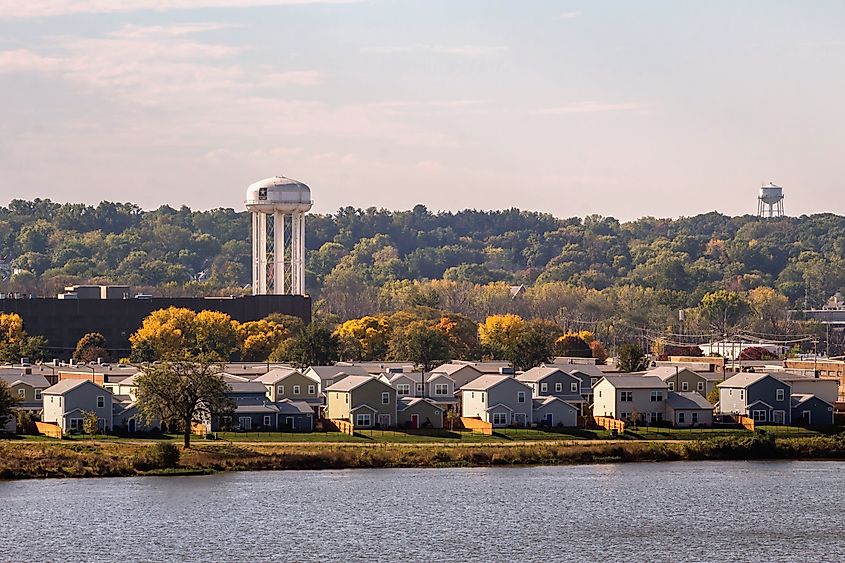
(686, 511)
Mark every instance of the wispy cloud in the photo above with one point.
(470, 51)
(136, 32)
(588, 107)
(570, 15)
(51, 8)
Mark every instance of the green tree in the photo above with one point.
(182, 392)
(90, 423)
(314, 346)
(7, 404)
(724, 311)
(533, 347)
(90, 347)
(632, 358)
(421, 343)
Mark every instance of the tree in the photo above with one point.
(723, 311)
(164, 333)
(713, 396)
(15, 343)
(7, 403)
(533, 347)
(598, 351)
(632, 358)
(771, 309)
(214, 334)
(258, 339)
(90, 423)
(180, 392)
(420, 342)
(363, 339)
(90, 347)
(314, 346)
(572, 345)
(498, 334)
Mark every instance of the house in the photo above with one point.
(759, 396)
(553, 411)
(66, 402)
(809, 410)
(496, 367)
(630, 397)
(419, 412)
(363, 400)
(688, 409)
(27, 389)
(683, 380)
(288, 383)
(461, 374)
(589, 374)
(825, 388)
(295, 416)
(329, 375)
(546, 381)
(126, 418)
(253, 410)
(498, 399)
(438, 387)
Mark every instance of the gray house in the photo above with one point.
(759, 396)
(253, 410)
(688, 409)
(550, 381)
(418, 412)
(809, 410)
(552, 411)
(498, 399)
(295, 416)
(66, 403)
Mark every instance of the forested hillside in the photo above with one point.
(358, 260)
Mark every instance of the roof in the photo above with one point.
(353, 382)
(246, 387)
(275, 375)
(450, 368)
(486, 382)
(66, 385)
(687, 400)
(36, 381)
(538, 373)
(286, 406)
(635, 381)
(801, 398)
(540, 402)
(267, 408)
(668, 372)
(591, 370)
(743, 380)
(330, 372)
(407, 402)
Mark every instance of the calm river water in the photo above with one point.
(705, 511)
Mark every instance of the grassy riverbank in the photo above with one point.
(27, 459)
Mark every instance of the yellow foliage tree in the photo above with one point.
(11, 328)
(164, 333)
(258, 339)
(363, 339)
(215, 334)
(499, 334)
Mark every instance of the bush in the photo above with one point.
(161, 455)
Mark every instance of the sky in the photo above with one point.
(619, 108)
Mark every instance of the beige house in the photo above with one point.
(363, 400)
(685, 380)
(629, 397)
(288, 383)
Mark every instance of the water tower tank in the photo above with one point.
(278, 194)
(770, 193)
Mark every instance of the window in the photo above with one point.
(759, 416)
(593, 381)
(599, 393)
(482, 396)
(700, 386)
(573, 387)
(441, 389)
(684, 386)
(671, 386)
(472, 394)
(403, 389)
(779, 395)
(558, 387)
(520, 397)
(280, 390)
(38, 394)
(656, 396)
(681, 418)
(312, 389)
(625, 396)
(266, 420)
(76, 424)
(363, 419)
(101, 401)
(656, 417)
(22, 393)
(346, 396)
(742, 394)
(730, 392)
(694, 417)
(624, 415)
(500, 418)
(385, 398)
(544, 387)
(296, 389)
(419, 387)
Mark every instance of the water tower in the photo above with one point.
(770, 201)
(278, 206)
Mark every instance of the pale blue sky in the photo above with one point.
(620, 108)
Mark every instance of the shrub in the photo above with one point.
(161, 455)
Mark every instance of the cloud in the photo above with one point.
(570, 15)
(452, 50)
(588, 107)
(137, 32)
(49, 8)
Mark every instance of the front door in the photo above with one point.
(806, 419)
(245, 423)
(415, 421)
(289, 423)
(550, 419)
(384, 420)
(131, 425)
(778, 417)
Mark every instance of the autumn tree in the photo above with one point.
(90, 423)
(180, 392)
(316, 345)
(258, 339)
(164, 333)
(363, 339)
(771, 310)
(214, 333)
(723, 311)
(15, 343)
(534, 345)
(498, 334)
(420, 342)
(91, 347)
(572, 345)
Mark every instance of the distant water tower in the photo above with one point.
(770, 201)
(278, 206)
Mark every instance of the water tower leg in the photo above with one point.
(278, 253)
(302, 254)
(255, 260)
(262, 254)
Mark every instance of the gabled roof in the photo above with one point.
(416, 377)
(497, 405)
(286, 406)
(450, 368)
(687, 400)
(407, 402)
(743, 380)
(66, 385)
(330, 372)
(486, 382)
(246, 387)
(541, 402)
(275, 375)
(34, 381)
(266, 408)
(539, 373)
(590, 370)
(668, 372)
(759, 402)
(635, 381)
(353, 382)
(799, 399)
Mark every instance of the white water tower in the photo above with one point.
(770, 201)
(278, 206)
